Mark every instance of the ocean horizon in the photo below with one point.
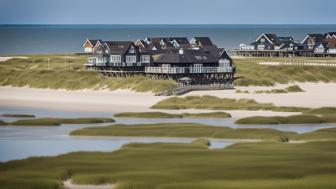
(65, 38)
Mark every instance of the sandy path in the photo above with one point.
(69, 185)
(300, 64)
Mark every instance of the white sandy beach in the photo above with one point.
(316, 95)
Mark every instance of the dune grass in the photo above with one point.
(322, 111)
(251, 73)
(215, 103)
(69, 73)
(192, 130)
(295, 119)
(289, 89)
(167, 115)
(59, 121)
(178, 166)
(18, 115)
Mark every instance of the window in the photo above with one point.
(130, 59)
(145, 59)
(115, 58)
(262, 40)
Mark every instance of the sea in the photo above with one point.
(59, 39)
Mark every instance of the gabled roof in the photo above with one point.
(318, 37)
(93, 42)
(225, 55)
(272, 38)
(188, 56)
(204, 41)
(331, 33)
(118, 47)
(179, 40)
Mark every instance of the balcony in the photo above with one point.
(182, 70)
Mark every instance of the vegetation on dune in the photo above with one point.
(192, 130)
(215, 103)
(59, 121)
(202, 142)
(289, 89)
(137, 166)
(167, 115)
(69, 73)
(295, 119)
(18, 115)
(322, 111)
(250, 72)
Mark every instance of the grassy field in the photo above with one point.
(296, 119)
(183, 130)
(322, 111)
(167, 115)
(59, 121)
(215, 103)
(255, 74)
(69, 73)
(179, 166)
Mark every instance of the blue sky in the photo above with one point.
(167, 12)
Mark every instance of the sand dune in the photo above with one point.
(316, 95)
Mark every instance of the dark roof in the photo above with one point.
(144, 44)
(273, 38)
(224, 54)
(204, 41)
(118, 47)
(331, 33)
(188, 56)
(318, 37)
(179, 40)
(286, 40)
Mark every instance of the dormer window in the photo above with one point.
(106, 51)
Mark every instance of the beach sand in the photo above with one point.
(316, 95)
(69, 185)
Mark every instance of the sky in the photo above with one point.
(167, 11)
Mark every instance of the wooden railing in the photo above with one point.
(177, 70)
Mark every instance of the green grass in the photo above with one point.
(295, 119)
(18, 115)
(59, 121)
(37, 73)
(167, 115)
(179, 166)
(254, 74)
(289, 89)
(215, 103)
(192, 130)
(322, 111)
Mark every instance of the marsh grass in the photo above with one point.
(215, 103)
(61, 73)
(59, 121)
(166, 165)
(192, 130)
(167, 115)
(295, 119)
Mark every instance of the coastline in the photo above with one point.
(118, 101)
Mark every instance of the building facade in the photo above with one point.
(165, 58)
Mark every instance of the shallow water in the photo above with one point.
(21, 142)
